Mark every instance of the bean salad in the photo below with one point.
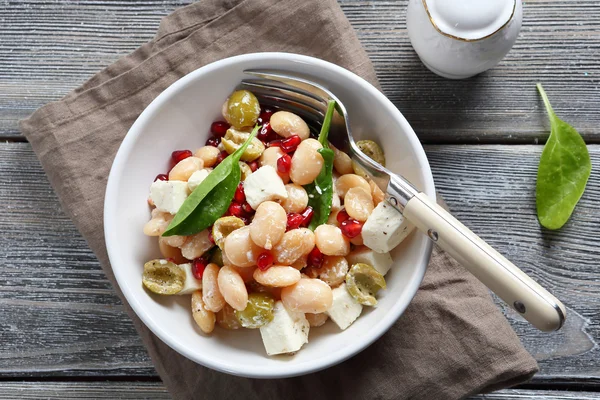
(268, 226)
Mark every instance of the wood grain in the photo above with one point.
(50, 47)
(61, 317)
(83, 390)
(156, 391)
(518, 394)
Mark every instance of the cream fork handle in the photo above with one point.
(512, 285)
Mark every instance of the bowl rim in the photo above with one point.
(255, 371)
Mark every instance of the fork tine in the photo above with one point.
(289, 92)
(277, 98)
(311, 89)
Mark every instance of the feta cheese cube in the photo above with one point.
(168, 196)
(380, 261)
(385, 228)
(286, 333)
(264, 184)
(197, 178)
(191, 283)
(344, 310)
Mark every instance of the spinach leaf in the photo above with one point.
(320, 192)
(210, 200)
(563, 171)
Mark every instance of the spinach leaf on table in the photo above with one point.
(320, 192)
(563, 172)
(210, 200)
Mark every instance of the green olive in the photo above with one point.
(242, 109)
(223, 227)
(245, 169)
(163, 277)
(258, 312)
(372, 150)
(216, 256)
(363, 282)
(235, 138)
(226, 318)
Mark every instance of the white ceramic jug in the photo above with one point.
(457, 39)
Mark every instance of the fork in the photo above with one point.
(309, 99)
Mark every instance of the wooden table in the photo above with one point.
(63, 332)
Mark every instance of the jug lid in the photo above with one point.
(469, 20)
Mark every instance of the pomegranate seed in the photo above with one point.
(179, 155)
(236, 210)
(284, 164)
(315, 258)
(265, 115)
(219, 128)
(253, 166)
(351, 228)
(169, 259)
(247, 208)
(342, 216)
(274, 143)
(265, 132)
(265, 260)
(246, 220)
(161, 177)
(294, 220)
(307, 214)
(290, 144)
(213, 141)
(222, 155)
(239, 196)
(198, 267)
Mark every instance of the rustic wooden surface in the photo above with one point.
(63, 328)
(155, 391)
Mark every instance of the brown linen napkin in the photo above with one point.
(451, 342)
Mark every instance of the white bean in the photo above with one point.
(345, 182)
(306, 162)
(287, 124)
(213, 299)
(297, 199)
(332, 272)
(239, 248)
(341, 161)
(232, 288)
(185, 168)
(330, 241)
(208, 154)
(294, 244)
(170, 252)
(307, 296)
(377, 193)
(269, 224)
(196, 245)
(205, 319)
(277, 276)
(358, 203)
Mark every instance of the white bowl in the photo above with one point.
(179, 118)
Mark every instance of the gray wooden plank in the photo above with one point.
(516, 394)
(83, 390)
(50, 47)
(156, 391)
(61, 317)
(60, 314)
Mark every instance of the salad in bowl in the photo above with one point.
(268, 226)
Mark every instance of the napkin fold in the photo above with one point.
(451, 342)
